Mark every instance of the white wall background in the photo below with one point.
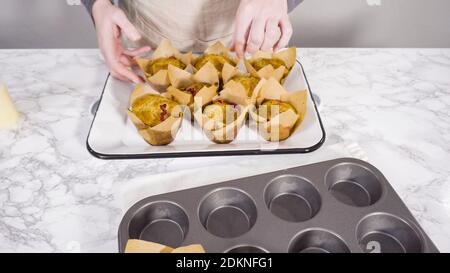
(355, 23)
(317, 23)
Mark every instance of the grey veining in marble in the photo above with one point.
(56, 197)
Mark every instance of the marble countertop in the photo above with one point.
(56, 197)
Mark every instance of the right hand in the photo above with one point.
(110, 23)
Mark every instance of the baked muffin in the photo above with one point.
(217, 60)
(156, 118)
(153, 109)
(248, 82)
(221, 113)
(155, 68)
(156, 65)
(258, 64)
(195, 87)
(278, 113)
(274, 107)
(272, 65)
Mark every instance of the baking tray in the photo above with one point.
(113, 136)
(342, 205)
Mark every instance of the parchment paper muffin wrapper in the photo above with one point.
(161, 134)
(288, 56)
(229, 72)
(227, 133)
(282, 125)
(219, 49)
(180, 79)
(141, 246)
(160, 80)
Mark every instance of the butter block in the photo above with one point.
(8, 113)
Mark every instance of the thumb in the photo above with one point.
(121, 20)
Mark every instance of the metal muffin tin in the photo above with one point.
(342, 205)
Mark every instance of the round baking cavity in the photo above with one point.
(292, 198)
(353, 184)
(317, 241)
(227, 212)
(247, 249)
(162, 222)
(386, 233)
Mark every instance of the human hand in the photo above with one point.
(110, 23)
(261, 24)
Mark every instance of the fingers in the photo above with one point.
(272, 34)
(124, 24)
(241, 33)
(118, 76)
(123, 71)
(126, 60)
(286, 33)
(116, 62)
(111, 22)
(123, 78)
(256, 36)
(137, 52)
(261, 25)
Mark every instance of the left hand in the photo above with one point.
(261, 25)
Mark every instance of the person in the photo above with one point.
(243, 25)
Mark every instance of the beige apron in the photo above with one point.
(189, 24)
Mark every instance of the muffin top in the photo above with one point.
(221, 112)
(153, 109)
(195, 87)
(249, 82)
(217, 60)
(274, 107)
(156, 65)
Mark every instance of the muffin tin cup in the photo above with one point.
(292, 198)
(353, 184)
(342, 205)
(387, 233)
(160, 222)
(317, 240)
(227, 212)
(246, 249)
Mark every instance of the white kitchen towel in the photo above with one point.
(221, 169)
